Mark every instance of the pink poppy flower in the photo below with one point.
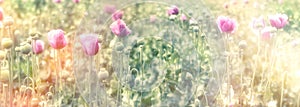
(76, 1)
(57, 39)
(173, 10)
(38, 46)
(183, 17)
(1, 14)
(117, 15)
(266, 33)
(56, 1)
(279, 20)
(110, 9)
(90, 44)
(119, 28)
(258, 23)
(153, 18)
(226, 24)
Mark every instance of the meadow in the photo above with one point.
(149, 53)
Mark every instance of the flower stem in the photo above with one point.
(57, 78)
(282, 90)
(89, 80)
(228, 66)
(10, 77)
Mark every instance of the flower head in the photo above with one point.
(110, 9)
(56, 1)
(266, 33)
(89, 43)
(7, 43)
(26, 48)
(226, 5)
(119, 28)
(226, 24)
(258, 23)
(279, 20)
(173, 10)
(153, 18)
(246, 1)
(117, 15)
(57, 39)
(76, 1)
(183, 17)
(1, 14)
(38, 46)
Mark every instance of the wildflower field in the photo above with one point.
(149, 53)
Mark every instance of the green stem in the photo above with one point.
(228, 67)
(119, 81)
(255, 66)
(57, 88)
(89, 80)
(19, 69)
(282, 90)
(10, 77)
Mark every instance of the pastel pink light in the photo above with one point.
(76, 1)
(266, 33)
(110, 9)
(152, 18)
(57, 39)
(279, 20)
(226, 24)
(57, 1)
(183, 17)
(258, 23)
(38, 46)
(119, 28)
(117, 15)
(89, 44)
(1, 14)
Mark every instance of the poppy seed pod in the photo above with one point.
(26, 48)
(102, 75)
(119, 47)
(4, 77)
(6, 43)
(243, 44)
